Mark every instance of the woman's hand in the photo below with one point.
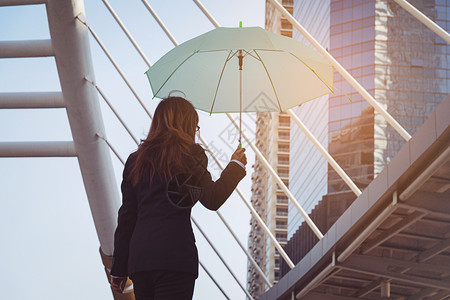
(239, 155)
(118, 284)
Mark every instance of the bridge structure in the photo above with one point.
(403, 212)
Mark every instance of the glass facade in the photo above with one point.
(411, 71)
(308, 171)
(400, 62)
(351, 118)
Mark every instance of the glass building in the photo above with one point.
(308, 168)
(400, 62)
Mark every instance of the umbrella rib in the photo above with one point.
(248, 53)
(311, 69)
(268, 75)
(230, 57)
(218, 83)
(154, 95)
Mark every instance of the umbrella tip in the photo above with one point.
(240, 24)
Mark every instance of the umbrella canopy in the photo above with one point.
(277, 72)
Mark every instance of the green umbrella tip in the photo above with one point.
(240, 24)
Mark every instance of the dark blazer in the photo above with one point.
(153, 233)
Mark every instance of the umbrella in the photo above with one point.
(242, 70)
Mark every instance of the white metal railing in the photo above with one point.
(37, 149)
(32, 100)
(29, 48)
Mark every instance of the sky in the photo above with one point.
(50, 249)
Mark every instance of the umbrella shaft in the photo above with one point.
(240, 98)
(241, 59)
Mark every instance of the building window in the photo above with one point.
(283, 148)
(283, 160)
(282, 199)
(283, 173)
(281, 224)
(276, 275)
(285, 121)
(282, 211)
(283, 135)
(281, 237)
(277, 263)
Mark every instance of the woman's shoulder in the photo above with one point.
(130, 162)
(198, 153)
(197, 149)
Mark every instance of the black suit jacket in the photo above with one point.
(153, 233)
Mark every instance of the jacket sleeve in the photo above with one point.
(214, 194)
(126, 221)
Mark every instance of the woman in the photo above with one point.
(154, 243)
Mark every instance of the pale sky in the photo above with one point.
(49, 243)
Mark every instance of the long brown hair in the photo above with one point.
(169, 141)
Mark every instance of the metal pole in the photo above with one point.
(20, 2)
(240, 96)
(325, 153)
(30, 48)
(212, 278)
(223, 261)
(424, 19)
(32, 100)
(114, 111)
(70, 42)
(252, 260)
(116, 17)
(207, 14)
(343, 72)
(37, 149)
(115, 65)
(160, 22)
(112, 149)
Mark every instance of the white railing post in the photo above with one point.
(70, 44)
